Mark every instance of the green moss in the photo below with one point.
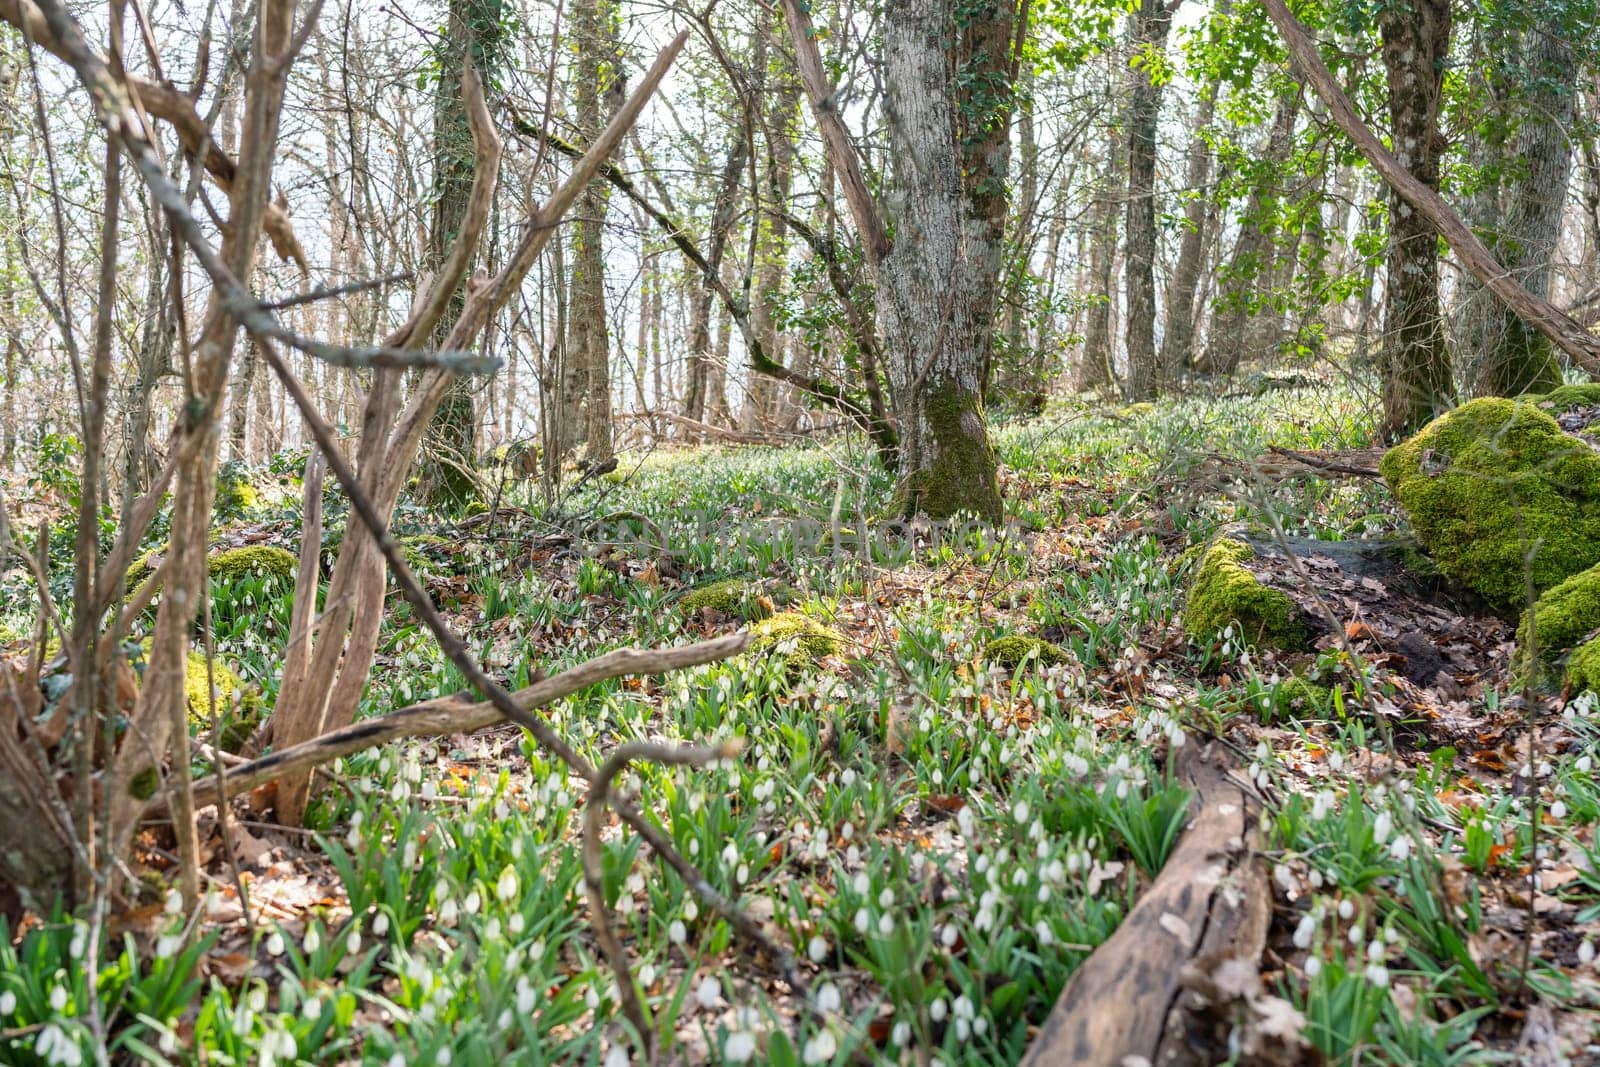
(730, 597)
(235, 493)
(1583, 667)
(238, 704)
(475, 507)
(141, 567)
(810, 640)
(1567, 397)
(1295, 694)
(1014, 649)
(252, 561)
(963, 476)
(1484, 483)
(1565, 615)
(143, 785)
(417, 547)
(1224, 593)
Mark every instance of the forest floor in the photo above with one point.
(942, 838)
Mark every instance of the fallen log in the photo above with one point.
(1210, 903)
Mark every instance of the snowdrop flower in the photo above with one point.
(1382, 827)
(863, 920)
(1346, 909)
(444, 1057)
(174, 903)
(8, 1001)
(1043, 932)
(862, 884)
(447, 911)
(1020, 811)
(817, 949)
(472, 903)
(352, 942)
(937, 1010)
(1305, 932)
(380, 924)
(617, 1057)
(886, 898)
(58, 999)
(527, 998)
(948, 935)
(1558, 811)
(312, 941)
(677, 933)
(169, 944)
(901, 1034)
(885, 924)
(1400, 847)
(1585, 957)
(828, 999)
(740, 1047)
(708, 992)
(1313, 966)
(56, 1048)
(1377, 974)
(821, 1048)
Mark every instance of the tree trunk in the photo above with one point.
(1151, 26)
(1248, 265)
(1177, 343)
(1416, 365)
(473, 28)
(1518, 210)
(937, 288)
(1095, 365)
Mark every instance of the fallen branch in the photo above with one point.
(1211, 900)
(457, 715)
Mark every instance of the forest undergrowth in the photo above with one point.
(941, 822)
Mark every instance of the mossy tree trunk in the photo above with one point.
(949, 78)
(1416, 364)
(449, 450)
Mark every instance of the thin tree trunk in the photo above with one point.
(1417, 377)
(1095, 366)
(1151, 26)
(1177, 343)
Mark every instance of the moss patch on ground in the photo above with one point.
(809, 639)
(252, 561)
(1012, 650)
(1225, 594)
(1483, 484)
(1567, 397)
(731, 596)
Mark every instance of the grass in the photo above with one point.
(943, 842)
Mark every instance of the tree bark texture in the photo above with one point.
(1152, 22)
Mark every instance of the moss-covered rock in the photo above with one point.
(141, 567)
(235, 493)
(1567, 398)
(1224, 593)
(799, 636)
(730, 596)
(252, 561)
(1583, 667)
(1013, 650)
(1485, 483)
(238, 704)
(1297, 695)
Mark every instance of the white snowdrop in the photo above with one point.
(1313, 966)
(8, 1002)
(58, 999)
(1585, 957)
(862, 884)
(817, 949)
(828, 999)
(821, 1047)
(1305, 932)
(708, 992)
(901, 1034)
(863, 920)
(740, 1047)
